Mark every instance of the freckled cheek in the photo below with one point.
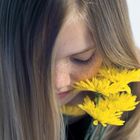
(87, 71)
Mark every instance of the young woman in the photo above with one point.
(46, 46)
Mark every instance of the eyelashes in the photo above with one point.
(81, 61)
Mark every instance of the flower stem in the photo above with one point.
(102, 131)
(95, 132)
(91, 131)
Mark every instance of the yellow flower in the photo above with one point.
(109, 81)
(95, 85)
(72, 110)
(123, 76)
(101, 113)
(122, 102)
(112, 96)
(102, 86)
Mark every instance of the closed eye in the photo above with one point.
(82, 61)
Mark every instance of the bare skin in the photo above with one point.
(76, 59)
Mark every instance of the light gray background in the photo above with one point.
(134, 14)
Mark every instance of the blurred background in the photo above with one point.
(134, 13)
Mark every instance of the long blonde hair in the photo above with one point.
(28, 107)
(28, 29)
(109, 25)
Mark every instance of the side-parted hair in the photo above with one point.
(28, 29)
(28, 108)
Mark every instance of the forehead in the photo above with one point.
(72, 38)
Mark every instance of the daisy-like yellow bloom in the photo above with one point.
(109, 81)
(123, 76)
(95, 85)
(122, 102)
(101, 113)
(112, 96)
(109, 109)
(72, 110)
(102, 86)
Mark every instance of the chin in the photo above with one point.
(69, 99)
(77, 98)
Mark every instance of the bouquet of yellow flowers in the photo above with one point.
(112, 97)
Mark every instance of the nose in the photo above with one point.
(62, 78)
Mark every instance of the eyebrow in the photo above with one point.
(84, 50)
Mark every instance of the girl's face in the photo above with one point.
(76, 59)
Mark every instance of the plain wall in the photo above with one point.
(134, 14)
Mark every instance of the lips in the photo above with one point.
(63, 94)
